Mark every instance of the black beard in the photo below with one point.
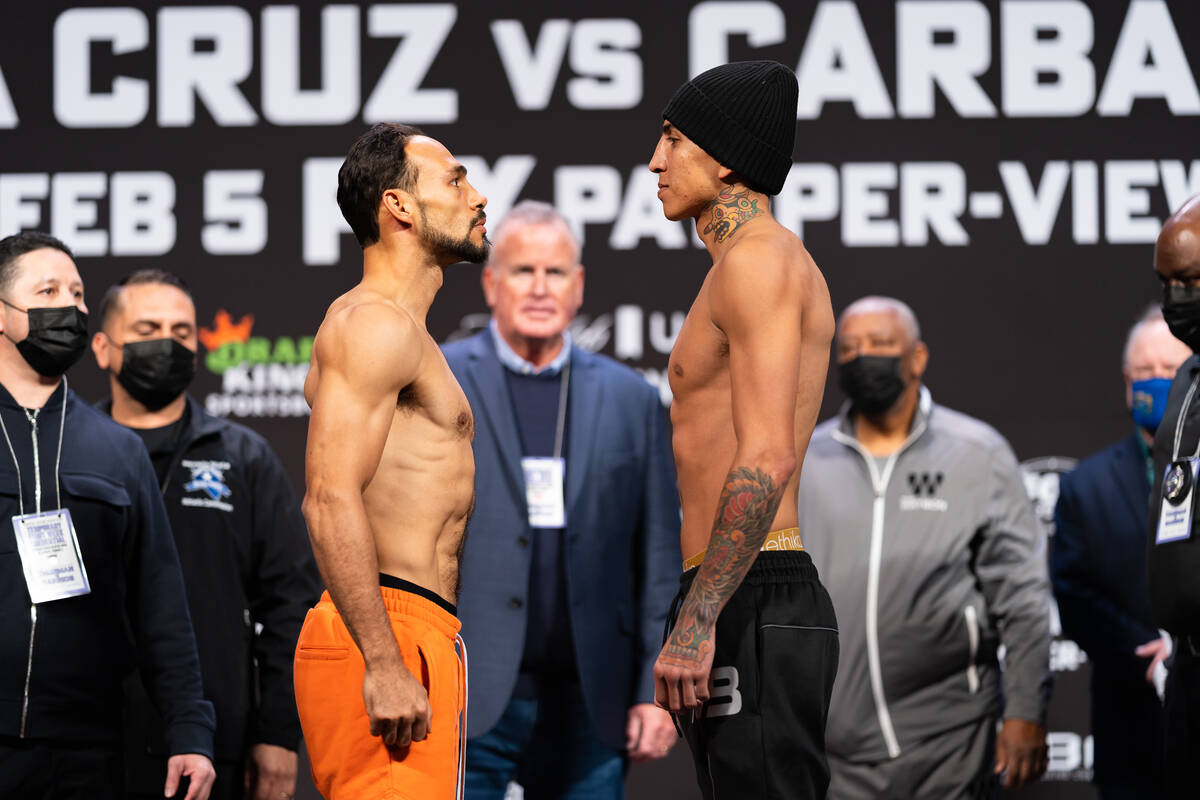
(462, 249)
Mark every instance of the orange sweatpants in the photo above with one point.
(347, 761)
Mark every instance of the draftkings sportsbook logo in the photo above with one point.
(260, 377)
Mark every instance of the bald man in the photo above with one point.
(1174, 552)
(918, 520)
(1099, 573)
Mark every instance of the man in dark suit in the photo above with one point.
(572, 556)
(1099, 573)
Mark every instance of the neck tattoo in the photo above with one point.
(729, 211)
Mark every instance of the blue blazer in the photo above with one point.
(1098, 567)
(622, 541)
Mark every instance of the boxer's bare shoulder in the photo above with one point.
(388, 414)
(766, 280)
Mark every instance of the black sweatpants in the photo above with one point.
(1182, 713)
(36, 769)
(761, 735)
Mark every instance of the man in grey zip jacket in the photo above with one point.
(918, 520)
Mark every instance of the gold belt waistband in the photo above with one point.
(786, 539)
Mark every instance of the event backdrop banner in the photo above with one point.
(1004, 167)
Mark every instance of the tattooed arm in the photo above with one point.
(755, 300)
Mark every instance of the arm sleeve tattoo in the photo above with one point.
(747, 505)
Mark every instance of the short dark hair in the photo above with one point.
(376, 162)
(17, 245)
(111, 302)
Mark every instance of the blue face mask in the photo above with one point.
(1149, 402)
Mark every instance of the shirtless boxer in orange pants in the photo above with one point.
(380, 671)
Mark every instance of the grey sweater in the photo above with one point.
(933, 560)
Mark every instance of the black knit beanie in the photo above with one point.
(742, 114)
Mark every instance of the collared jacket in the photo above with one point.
(250, 578)
(933, 558)
(621, 546)
(62, 663)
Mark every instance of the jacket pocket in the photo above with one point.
(89, 486)
(972, 620)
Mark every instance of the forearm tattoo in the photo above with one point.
(747, 506)
(729, 210)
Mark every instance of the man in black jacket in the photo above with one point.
(1173, 551)
(1099, 570)
(242, 543)
(90, 585)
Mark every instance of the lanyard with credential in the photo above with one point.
(562, 409)
(1183, 412)
(37, 494)
(545, 477)
(1178, 482)
(46, 540)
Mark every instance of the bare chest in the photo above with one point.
(436, 398)
(700, 358)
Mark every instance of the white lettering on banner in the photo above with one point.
(1148, 61)
(186, 73)
(324, 224)
(127, 100)
(73, 211)
(141, 216)
(874, 204)
(283, 101)
(1047, 67)
(1179, 184)
(864, 200)
(837, 64)
(1068, 752)
(809, 193)
(1029, 56)
(234, 212)
(1128, 201)
(141, 213)
(600, 52)
(1085, 211)
(422, 29)
(610, 74)
(587, 193)
(922, 63)
(710, 24)
(8, 112)
(1035, 209)
(18, 212)
(531, 69)
(932, 197)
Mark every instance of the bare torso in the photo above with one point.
(421, 494)
(702, 412)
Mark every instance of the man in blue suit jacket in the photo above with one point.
(1099, 573)
(572, 554)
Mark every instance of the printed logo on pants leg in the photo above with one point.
(726, 700)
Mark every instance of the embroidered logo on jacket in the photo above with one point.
(923, 487)
(208, 478)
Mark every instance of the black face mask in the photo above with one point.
(872, 383)
(156, 371)
(1181, 310)
(57, 338)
